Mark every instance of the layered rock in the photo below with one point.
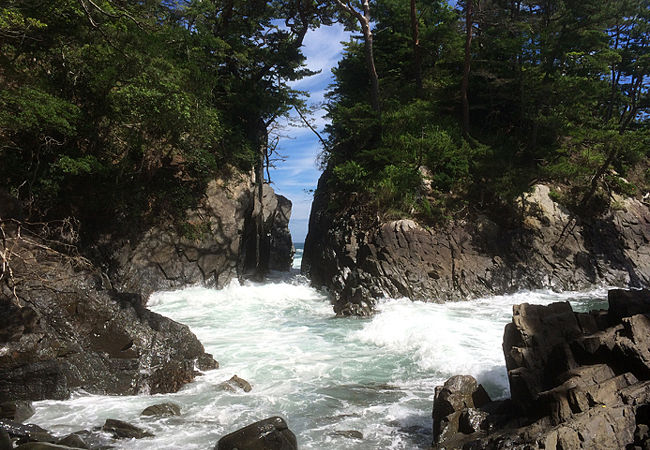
(360, 258)
(577, 380)
(65, 327)
(214, 245)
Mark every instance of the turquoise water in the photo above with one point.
(322, 374)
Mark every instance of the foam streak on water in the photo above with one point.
(322, 374)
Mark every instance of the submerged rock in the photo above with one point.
(349, 434)
(235, 383)
(577, 380)
(268, 434)
(124, 430)
(162, 410)
(42, 446)
(74, 441)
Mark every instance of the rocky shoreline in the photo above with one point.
(360, 259)
(577, 381)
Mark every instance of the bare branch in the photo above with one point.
(304, 119)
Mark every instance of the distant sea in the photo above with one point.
(297, 258)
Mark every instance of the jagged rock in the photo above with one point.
(455, 407)
(18, 411)
(124, 430)
(579, 381)
(626, 303)
(215, 245)
(268, 434)
(162, 410)
(535, 347)
(234, 384)
(361, 258)
(83, 334)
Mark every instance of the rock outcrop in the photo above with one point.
(577, 380)
(360, 259)
(64, 327)
(215, 244)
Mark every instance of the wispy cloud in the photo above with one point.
(297, 177)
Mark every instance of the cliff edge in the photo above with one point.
(360, 258)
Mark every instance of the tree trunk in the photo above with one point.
(364, 21)
(466, 67)
(259, 219)
(372, 70)
(417, 56)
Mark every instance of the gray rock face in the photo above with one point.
(71, 330)
(578, 381)
(268, 434)
(210, 248)
(360, 259)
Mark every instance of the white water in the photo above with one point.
(322, 374)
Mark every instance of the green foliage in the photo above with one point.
(350, 175)
(557, 90)
(114, 110)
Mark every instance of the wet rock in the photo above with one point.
(234, 384)
(206, 362)
(577, 381)
(268, 434)
(361, 258)
(162, 410)
(124, 430)
(74, 441)
(18, 411)
(84, 335)
(25, 432)
(349, 434)
(455, 407)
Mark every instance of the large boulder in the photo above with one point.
(268, 434)
(456, 408)
(361, 257)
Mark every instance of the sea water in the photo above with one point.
(326, 376)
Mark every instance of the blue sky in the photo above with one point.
(296, 176)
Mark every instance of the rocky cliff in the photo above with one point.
(68, 322)
(360, 258)
(63, 327)
(577, 380)
(214, 245)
